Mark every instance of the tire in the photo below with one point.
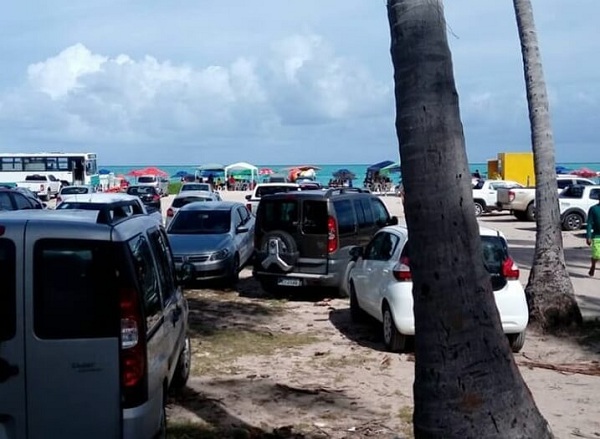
(356, 313)
(520, 215)
(393, 340)
(234, 274)
(288, 250)
(572, 221)
(479, 208)
(184, 366)
(516, 341)
(530, 212)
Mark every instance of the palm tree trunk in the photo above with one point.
(550, 293)
(467, 384)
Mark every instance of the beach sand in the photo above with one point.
(569, 401)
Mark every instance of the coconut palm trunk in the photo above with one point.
(467, 384)
(550, 293)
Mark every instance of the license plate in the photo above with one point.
(287, 282)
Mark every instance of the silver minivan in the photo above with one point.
(93, 327)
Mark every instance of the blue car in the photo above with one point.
(212, 240)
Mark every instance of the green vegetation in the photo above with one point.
(174, 187)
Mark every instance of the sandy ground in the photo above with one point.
(343, 384)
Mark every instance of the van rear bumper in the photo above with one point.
(143, 420)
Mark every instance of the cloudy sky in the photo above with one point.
(274, 82)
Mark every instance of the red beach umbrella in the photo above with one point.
(265, 171)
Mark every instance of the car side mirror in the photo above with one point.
(248, 197)
(242, 229)
(356, 252)
(393, 221)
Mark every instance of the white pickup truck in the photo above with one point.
(44, 186)
(521, 201)
(575, 202)
(262, 189)
(485, 193)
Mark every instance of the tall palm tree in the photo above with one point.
(466, 381)
(550, 293)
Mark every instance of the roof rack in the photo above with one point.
(343, 190)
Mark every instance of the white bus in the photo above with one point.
(68, 167)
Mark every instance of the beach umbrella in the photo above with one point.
(136, 172)
(104, 171)
(563, 170)
(154, 171)
(265, 171)
(344, 174)
(391, 168)
(585, 172)
(180, 174)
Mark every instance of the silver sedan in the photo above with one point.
(212, 240)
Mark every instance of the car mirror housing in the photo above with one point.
(393, 221)
(248, 197)
(356, 252)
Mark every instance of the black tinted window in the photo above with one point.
(147, 279)
(74, 290)
(380, 212)
(5, 202)
(382, 247)
(261, 191)
(147, 179)
(584, 182)
(209, 222)
(563, 183)
(8, 292)
(22, 202)
(572, 192)
(314, 217)
(75, 190)
(182, 201)
(141, 190)
(195, 187)
(345, 216)
(278, 215)
(165, 268)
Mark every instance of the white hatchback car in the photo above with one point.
(380, 284)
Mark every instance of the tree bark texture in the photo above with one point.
(467, 384)
(550, 293)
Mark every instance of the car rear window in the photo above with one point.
(180, 202)
(74, 290)
(268, 190)
(8, 300)
(146, 179)
(74, 190)
(314, 217)
(280, 214)
(140, 190)
(204, 222)
(195, 187)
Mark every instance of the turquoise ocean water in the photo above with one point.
(323, 174)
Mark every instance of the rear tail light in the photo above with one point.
(402, 270)
(332, 238)
(170, 212)
(133, 349)
(510, 270)
(511, 196)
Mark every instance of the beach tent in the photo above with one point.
(394, 167)
(379, 166)
(244, 167)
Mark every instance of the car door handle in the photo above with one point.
(176, 314)
(7, 370)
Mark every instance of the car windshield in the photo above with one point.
(147, 179)
(141, 190)
(261, 191)
(203, 222)
(180, 202)
(75, 190)
(195, 187)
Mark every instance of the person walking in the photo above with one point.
(593, 235)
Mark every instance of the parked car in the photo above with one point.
(149, 195)
(202, 187)
(44, 186)
(17, 199)
(160, 184)
(188, 197)
(214, 239)
(73, 192)
(304, 238)
(381, 286)
(110, 205)
(485, 194)
(262, 189)
(575, 202)
(521, 201)
(93, 326)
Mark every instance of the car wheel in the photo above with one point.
(393, 340)
(520, 215)
(479, 209)
(572, 221)
(530, 212)
(516, 341)
(234, 274)
(288, 249)
(162, 431)
(184, 366)
(356, 313)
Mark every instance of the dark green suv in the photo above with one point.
(304, 238)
